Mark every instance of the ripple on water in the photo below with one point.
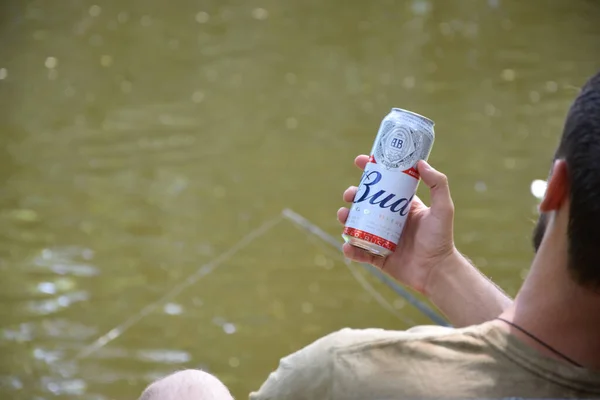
(164, 356)
(159, 356)
(173, 309)
(55, 328)
(73, 387)
(228, 327)
(69, 260)
(65, 329)
(48, 356)
(21, 333)
(11, 382)
(55, 304)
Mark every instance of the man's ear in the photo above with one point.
(557, 190)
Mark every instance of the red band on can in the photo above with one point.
(412, 172)
(379, 241)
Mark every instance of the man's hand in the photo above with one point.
(427, 239)
(427, 260)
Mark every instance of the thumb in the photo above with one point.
(441, 201)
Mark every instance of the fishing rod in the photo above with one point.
(302, 222)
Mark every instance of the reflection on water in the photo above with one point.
(53, 305)
(139, 141)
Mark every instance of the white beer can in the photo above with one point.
(389, 182)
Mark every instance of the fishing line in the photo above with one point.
(302, 222)
(209, 267)
(366, 285)
(201, 272)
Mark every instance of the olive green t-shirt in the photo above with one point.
(480, 361)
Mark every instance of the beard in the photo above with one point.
(539, 231)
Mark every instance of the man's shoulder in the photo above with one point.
(347, 338)
(348, 356)
(425, 342)
(383, 364)
(365, 342)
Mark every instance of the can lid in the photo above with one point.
(425, 119)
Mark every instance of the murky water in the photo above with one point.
(141, 140)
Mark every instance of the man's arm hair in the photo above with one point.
(464, 294)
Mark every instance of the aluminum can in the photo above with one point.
(389, 182)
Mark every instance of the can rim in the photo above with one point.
(415, 114)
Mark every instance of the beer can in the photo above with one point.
(389, 182)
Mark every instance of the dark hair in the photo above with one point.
(580, 148)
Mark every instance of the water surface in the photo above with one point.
(141, 140)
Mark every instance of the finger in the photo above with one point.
(361, 255)
(441, 201)
(417, 201)
(349, 194)
(342, 215)
(361, 161)
(417, 204)
(355, 254)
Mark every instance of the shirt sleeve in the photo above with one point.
(309, 372)
(305, 374)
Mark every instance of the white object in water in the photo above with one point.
(538, 188)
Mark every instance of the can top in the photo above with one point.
(425, 119)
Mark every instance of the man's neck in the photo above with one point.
(572, 331)
(560, 313)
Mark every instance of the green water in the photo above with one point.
(140, 140)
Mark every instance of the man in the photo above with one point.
(544, 344)
(189, 384)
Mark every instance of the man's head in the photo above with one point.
(574, 187)
(189, 384)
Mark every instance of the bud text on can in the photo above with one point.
(389, 182)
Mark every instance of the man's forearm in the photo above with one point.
(463, 293)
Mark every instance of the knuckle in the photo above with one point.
(449, 208)
(443, 179)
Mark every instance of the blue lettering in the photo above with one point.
(401, 206)
(369, 180)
